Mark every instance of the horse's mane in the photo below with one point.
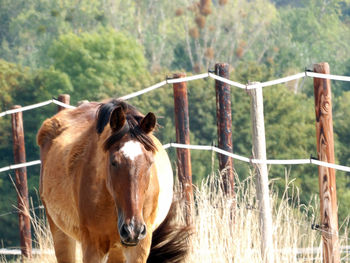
(132, 124)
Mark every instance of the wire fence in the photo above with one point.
(191, 78)
(258, 161)
(16, 211)
(199, 147)
(37, 105)
(17, 251)
(220, 151)
(21, 165)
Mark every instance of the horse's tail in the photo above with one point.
(170, 241)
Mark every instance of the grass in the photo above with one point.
(227, 229)
(223, 237)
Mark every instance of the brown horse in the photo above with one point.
(107, 182)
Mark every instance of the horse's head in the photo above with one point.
(130, 157)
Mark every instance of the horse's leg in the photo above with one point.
(140, 253)
(64, 245)
(91, 251)
(116, 256)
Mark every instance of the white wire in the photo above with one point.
(296, 161)
(190, 78)
(218, 150)
(166, 146)
(227, 81)
(160, 84)
(35, 251)
(37, 105)
(189, 146)
(63, 104)
(21, 165)
(30, 107)
(282, 80)
(232, 155)
(331, 165)
(327, 76)
(248, 160)
(138, 93)
(4, 169)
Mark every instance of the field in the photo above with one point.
(227, 229)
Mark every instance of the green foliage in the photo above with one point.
(30, 27)
(12, 77)
(99, 65)
(317, 34)
(342, 127)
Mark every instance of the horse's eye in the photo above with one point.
(114, 163)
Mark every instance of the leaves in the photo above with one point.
(99, 65)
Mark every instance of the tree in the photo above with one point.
(30, 27)
(316, 34)
(99, 65)
(229, 31)
(156, 25)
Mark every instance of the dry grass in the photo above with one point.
(227, 230)
(226, 236)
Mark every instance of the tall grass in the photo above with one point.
(226, 229)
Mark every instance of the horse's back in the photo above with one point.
(66, 121)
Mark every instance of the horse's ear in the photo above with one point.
(117, 119)
(148, 123)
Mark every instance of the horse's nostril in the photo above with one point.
(131, 234)
(143, 232)
(124, 231)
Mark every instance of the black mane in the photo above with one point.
(132, 124)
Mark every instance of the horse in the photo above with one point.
(107, 183)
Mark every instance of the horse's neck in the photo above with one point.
(93, 174)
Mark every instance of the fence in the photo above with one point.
(224, 149)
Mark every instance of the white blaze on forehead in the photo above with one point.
(131, 149)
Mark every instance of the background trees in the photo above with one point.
(100, 64)
(98, 49)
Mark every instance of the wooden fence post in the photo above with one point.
(326, 176)
(21, 184)
(261, 173)
(65, 98)
(183, 136)
(224, 124)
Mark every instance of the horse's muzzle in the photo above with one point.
(131, 234)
